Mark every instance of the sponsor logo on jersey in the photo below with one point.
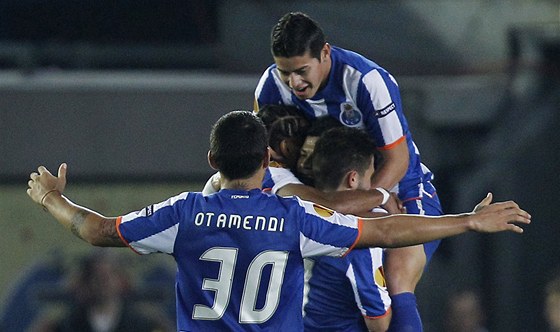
(350, 115)
(323, 211)
(381, 113)
(239, 196)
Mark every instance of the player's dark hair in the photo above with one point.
(322, 124)
(295, 34)
(339, 151)
(284, 122)
(238, 144)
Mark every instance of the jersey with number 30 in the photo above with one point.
(239, 254)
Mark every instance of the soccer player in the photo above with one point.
(240, 251)
(321, 79)
(350, 293)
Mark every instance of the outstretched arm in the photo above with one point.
(90, 226)
(404, 230)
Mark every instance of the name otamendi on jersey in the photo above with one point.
(236, 221)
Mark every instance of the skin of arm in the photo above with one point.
(90, 226)
(404, 230)
(393, 168)
(357, 202)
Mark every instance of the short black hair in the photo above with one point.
(322, 124)
(238, 144)
(339, 151)
(295, 34)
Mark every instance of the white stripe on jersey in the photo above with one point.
(381, 98)
(282, 177)
(350, 79)
(163, 241)
(285, 90)
(309, 247)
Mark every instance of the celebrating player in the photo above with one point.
(240, 251)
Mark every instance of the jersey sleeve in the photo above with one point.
(365, 274)
(154, 228)
(380, 98)
(281, 177)
(325, 232)
(271, 90)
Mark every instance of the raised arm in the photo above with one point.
(90, 226)
(404, 230)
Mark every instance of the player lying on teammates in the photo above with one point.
(240, 251)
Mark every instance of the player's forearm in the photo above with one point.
(405, 230)
(353, 201)
(86, 224)
(389, 174)
(348, 201)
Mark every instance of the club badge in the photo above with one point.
(349, 115)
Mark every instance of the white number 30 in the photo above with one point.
(248, 314)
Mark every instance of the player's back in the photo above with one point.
(242, 249)
(239, 254)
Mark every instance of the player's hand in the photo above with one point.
(497, 217)
(216, 181)
(394, 205)
(42, 183)
(485, 202)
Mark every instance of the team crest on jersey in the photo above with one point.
(323, 211)
(350, 115)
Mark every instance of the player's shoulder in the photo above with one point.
(355, 60)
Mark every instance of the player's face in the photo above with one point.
(304, 74)
(304, 165)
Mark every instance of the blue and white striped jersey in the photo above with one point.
(359, 93)
(239, 254)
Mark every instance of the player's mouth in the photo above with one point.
(301, 92)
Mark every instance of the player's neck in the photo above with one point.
(250, 183)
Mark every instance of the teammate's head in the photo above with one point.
(238, 145)
(343, 159)
(304, 168)
(287, 129)
(301, 54)
(296, 34)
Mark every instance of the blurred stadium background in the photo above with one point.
(125, 92)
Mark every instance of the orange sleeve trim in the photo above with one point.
(392, 145)
(117, 223)
(378, 317)
(360, 225)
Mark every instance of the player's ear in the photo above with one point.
(352, 180)
(266, 159)
(211, 161)
(326, 51)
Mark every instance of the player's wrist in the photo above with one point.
(385, 193)
(44, 199)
